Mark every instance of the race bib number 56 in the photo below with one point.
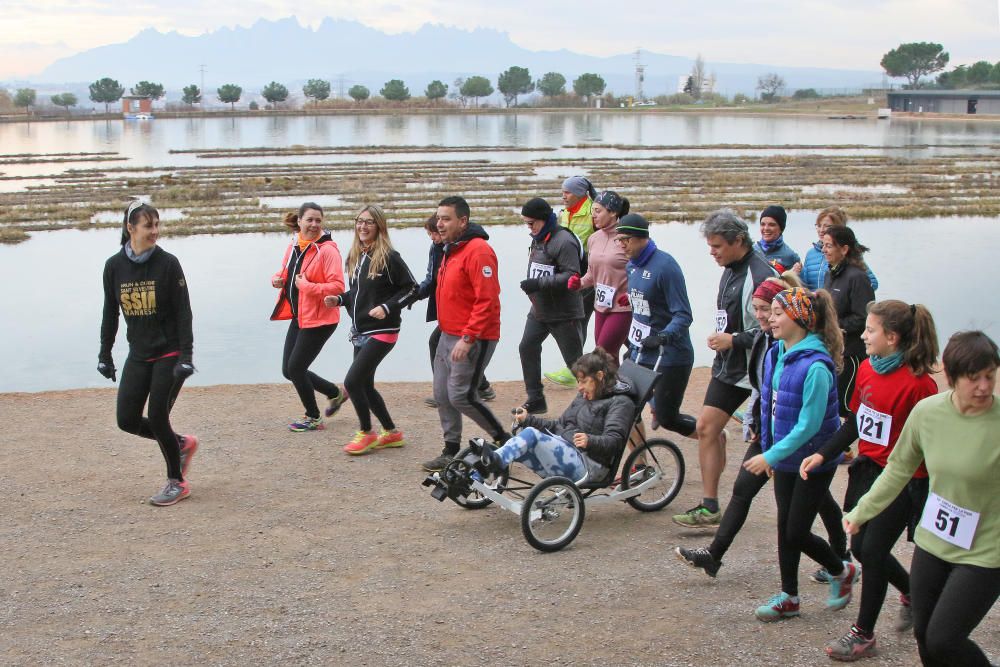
(952, 523)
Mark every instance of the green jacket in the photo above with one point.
(581, 224)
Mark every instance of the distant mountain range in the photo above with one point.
(347, 52)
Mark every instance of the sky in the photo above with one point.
(843, 34)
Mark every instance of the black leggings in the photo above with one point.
(667, 399)
(302, 346)
(745, 489)
(845, 384)
(360, 383)
(798, 501)
(484, 384)
(949, 601)
(873, 543)
(154, 380)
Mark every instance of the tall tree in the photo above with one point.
(395, 90)
(436, 90)
(65, 100)
(106, 91)
(476, 87)
(456, 91)
(230, 94)
(980, 72)
(587, 85)
(515, 81)
(316, 89)
(769, 84)
(191, 95)
(913, 60)
(274, 92)
(359, 93)
(697, 78)
(154, 91)
(552, 84)
(995, 76)
(25, 97)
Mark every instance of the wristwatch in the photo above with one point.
(468, 339)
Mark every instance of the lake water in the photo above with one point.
(50, 288)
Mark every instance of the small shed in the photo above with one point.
(985, 102)
(136, 104)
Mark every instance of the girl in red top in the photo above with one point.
(902, 348)
(310, 270)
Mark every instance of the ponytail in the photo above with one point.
(625, 208)
(292, 219)
(828, 327)
(915, 328)
(136, 210)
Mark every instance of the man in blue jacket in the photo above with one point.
(661, 316)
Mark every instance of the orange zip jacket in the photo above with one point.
(322, 267)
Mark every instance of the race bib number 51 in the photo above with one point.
(952, 523)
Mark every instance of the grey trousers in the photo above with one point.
(456, 391)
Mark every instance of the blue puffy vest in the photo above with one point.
(784, 407)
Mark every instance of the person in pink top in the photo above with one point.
(606, 274)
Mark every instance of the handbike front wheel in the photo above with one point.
(552, 514)
(475, 500)
(660, 457)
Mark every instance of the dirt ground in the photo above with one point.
(288, 551)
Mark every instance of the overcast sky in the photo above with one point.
(821, 33)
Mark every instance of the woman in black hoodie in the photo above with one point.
(148, 285)
(380, 283)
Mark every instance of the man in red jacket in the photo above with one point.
(468, 298)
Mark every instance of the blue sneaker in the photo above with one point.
(841, 587)
(780, 606)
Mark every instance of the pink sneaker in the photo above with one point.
(393, 438)
(363, 442)
(189, 446)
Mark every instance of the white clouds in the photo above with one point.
(825, 33)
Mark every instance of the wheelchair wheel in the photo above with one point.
(552, 514)
(660, 456)
(476, 500)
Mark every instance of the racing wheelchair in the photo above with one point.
(552, 510)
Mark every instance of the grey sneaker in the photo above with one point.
(698, 517)
(173, 492)
(699, 558)
(904, 622)
(488, 393)
(851, 647)
(438, 463)
(430, 402)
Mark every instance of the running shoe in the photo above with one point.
(535, 407)
(841, 587)
(393, 438)
(189, 445)
(438, 463)
(430, 402)
(699, 558)
(904, 622)
(335, 403)
(307, 424)
(698, 517)
(362, 443)
(852, 646)
(821, 576)
(780, 606)
(487, 393)
(562, 377)
(173, 492)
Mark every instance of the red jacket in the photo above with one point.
(468, 288)
(322, 267)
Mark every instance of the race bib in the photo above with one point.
(637, 332)
(536, 270)
(874, 426)
(604, 296)
(952, 523)
(721, 321)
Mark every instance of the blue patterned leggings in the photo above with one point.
(547, 455)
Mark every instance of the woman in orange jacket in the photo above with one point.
(311, 269)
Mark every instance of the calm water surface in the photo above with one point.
(50, 288)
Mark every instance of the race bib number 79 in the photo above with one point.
(952, 523)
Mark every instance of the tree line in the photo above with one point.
(915, 60)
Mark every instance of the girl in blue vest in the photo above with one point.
(798, 399)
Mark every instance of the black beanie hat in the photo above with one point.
(776, 212)
(633, 224)
(537, 209)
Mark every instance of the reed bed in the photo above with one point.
(220, 199)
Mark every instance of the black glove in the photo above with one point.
(183, 369)
(530, 285)
(107, 369)
(652, 341)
